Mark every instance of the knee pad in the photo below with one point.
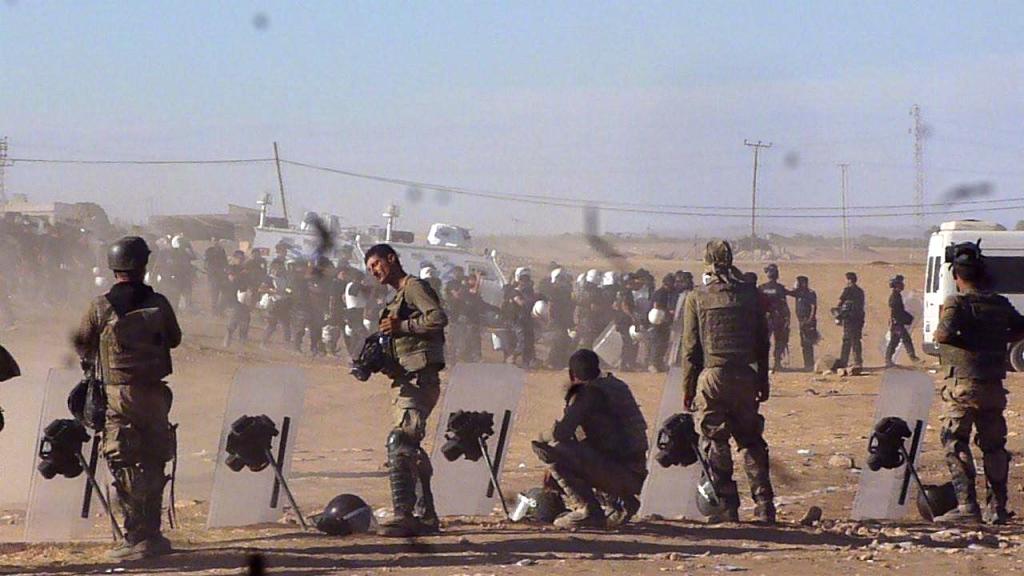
(400, 445)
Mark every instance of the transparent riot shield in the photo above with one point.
(22, 402)
(608, 346)
(887, 494)
(463, 487)
(676, 336)
(670, 492)
(64, 509)
(245, 497)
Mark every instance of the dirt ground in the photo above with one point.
(341, 449)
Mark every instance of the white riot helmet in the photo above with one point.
(541, 310)
(99, 281)
(608, 279)
(428, 272)
(657, 316)
(178, 241)
(520, 272)
(556, 274)
(593, 276)
(635, 334)
(354, 297)
(707, 278)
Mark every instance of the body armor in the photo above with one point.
(982, 320)
(133, 347)
(728, 314)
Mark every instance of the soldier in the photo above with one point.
(850, 314)
(625, 319)
(725, 335)
(899, 324)
(774, 294)
(807, 319)
(127, 336)
(415, 321)
(609, 457)
(973, 332)
(590, 318)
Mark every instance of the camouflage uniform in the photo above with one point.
(725, 371)
(132, 330)
(419, 349)
(973, 332)
(599, 444)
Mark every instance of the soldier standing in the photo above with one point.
(610, 460)
(850, 314)
(774, 294)
(216, 273)
(974, 330)
(807, 318)
(415, 321)
(725, 335)
(127, 335)
(559, 295)
(899, 323)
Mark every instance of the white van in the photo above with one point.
(1004, 259)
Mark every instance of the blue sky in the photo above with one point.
(641, 102)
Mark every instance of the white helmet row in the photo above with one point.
(608, 279)
(593, 276)
(556, 274)
(520, 272)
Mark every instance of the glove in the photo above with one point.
(764, 391)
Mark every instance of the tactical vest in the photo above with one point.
(728, 320)
(624, 430)
(133, 347)
(984, 321)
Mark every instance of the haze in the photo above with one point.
(647, 103)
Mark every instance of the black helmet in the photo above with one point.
(896, 280)
(934, 501)
(345, 514)
(128, 253)
(544, 505)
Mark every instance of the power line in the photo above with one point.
(139, 162)
(753, 193)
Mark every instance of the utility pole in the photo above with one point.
(753, 194)
(919, 135)
(280, 182)
(3, 167)
(843, 183)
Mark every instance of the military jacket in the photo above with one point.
(419, 339)
(604, 414)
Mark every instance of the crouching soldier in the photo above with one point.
(598, 449)
(127, 336)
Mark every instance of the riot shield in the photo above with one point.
(608, 346)
(22, 402)
(463, 487)
(64, 509)
(888, 494)
(245, 497)
(676, 336)
(670, 492)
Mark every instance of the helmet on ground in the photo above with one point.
(345, 514)
(657, 316)
(934, 501)
(127, 254)
(708, 501)
(540, 505)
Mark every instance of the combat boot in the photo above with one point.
(729, 512)
(584, 508)
(157, 545)
(585, 517)
(621, 511)
(764, 512)
(424, 509)
(962, 514)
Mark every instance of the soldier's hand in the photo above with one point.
(764, 392)
(389, 325)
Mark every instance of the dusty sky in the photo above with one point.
(645, 102)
